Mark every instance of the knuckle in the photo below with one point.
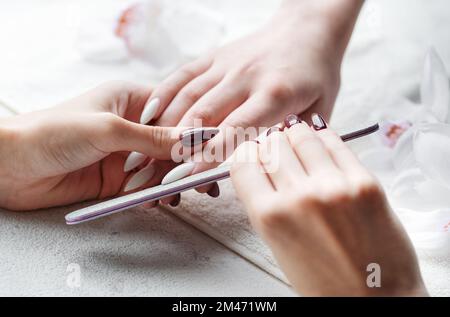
(167, 88)
(338, 147)
(244, 70)
(279, 92)
(270, 216)
(109, 130)
(303, 202)
(111, 122)
(190, 95)
(187, 71)
(202, 114)
(268, 213)
(157, 135)
(369, 189)
(306, 139)
(335, 193)
(338, 197)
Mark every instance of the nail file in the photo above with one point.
(119, 204)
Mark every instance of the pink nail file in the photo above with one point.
(119, 204)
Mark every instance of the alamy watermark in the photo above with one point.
(374, 278)
(222, 147)
(73, 279)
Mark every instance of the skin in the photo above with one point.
(76, 151)
(254, 82)
(324, 216)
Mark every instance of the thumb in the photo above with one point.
(153, 141)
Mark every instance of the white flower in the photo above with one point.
(413, 159)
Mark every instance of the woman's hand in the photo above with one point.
(291, 65)
(75, 152)
(324, 216)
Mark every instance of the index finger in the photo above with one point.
(249, 180)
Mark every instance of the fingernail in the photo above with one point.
(178, 173)
(194, 137)
(273, 130)
(214, 192)
(291, 120)
(150, 110)
(134, 160)
(318, 122)
(140, 178)
(176, 201)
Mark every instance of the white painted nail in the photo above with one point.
(134, 160)
(150, 110)
(178, 173)
(142, 177)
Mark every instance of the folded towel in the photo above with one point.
(225, 220)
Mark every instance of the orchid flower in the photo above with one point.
(412, 159)
(158, 35)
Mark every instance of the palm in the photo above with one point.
(102, 179)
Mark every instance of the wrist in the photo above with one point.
(333, 19)
(4, 145)
(7, 141)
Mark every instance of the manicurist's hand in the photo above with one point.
(291, 65)
(324, 216)
(76, 151)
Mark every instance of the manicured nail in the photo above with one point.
(318, 122)
(194, 137)
(140, 178)
(291, 120)
(134, 160)
(178, 173)
(273, 130)
(214, 192)
(176, 201)
(150, 110)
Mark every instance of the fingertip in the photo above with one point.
(151, 205)
(214, 191)
(150, 110)
(203, 189)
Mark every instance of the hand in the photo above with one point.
(323, 215)
(292, 65)
(75, 152)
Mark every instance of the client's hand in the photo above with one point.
(324, 216)
(73, 152)
(292, 65)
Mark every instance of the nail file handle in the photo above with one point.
(119, 204)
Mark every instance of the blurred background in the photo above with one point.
(54, 49)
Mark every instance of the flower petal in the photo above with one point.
(378, 159)
(391, 131)
(432, 151)
(427, 230)
(403, 154)
(413, 190)
(435, 92)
